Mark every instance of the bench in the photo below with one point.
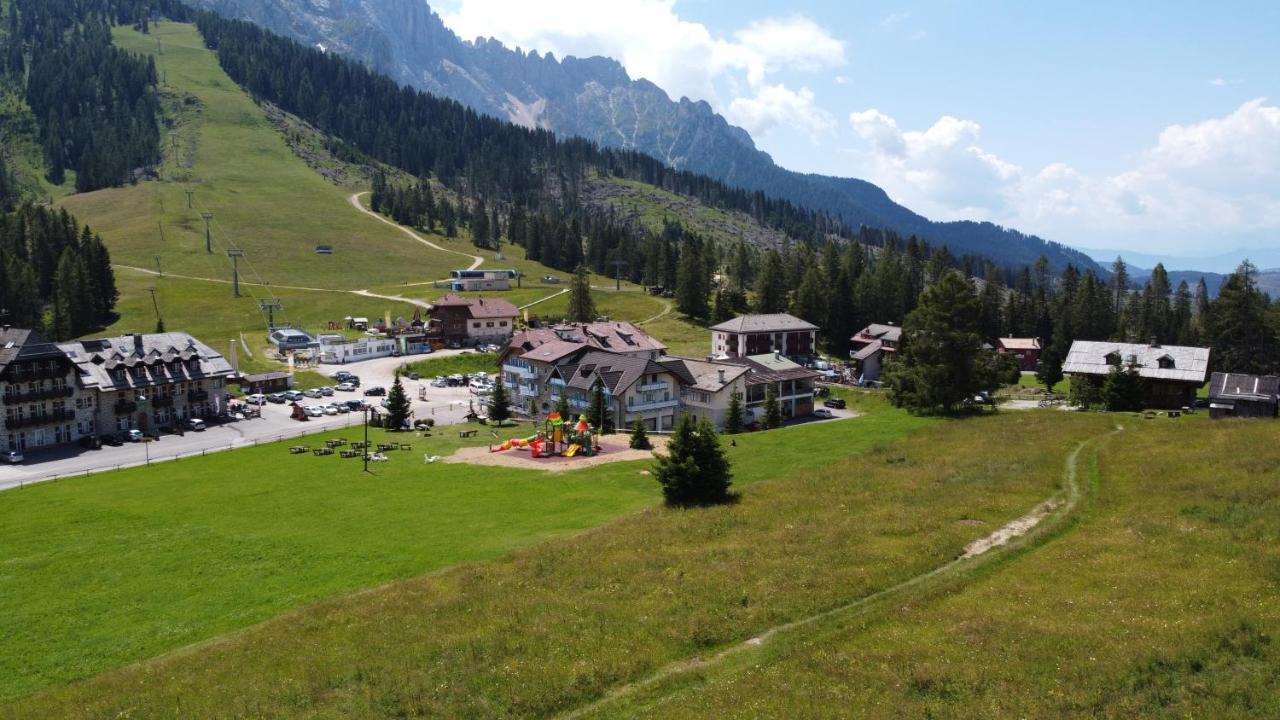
(299, 450)
(336, 442)
(467, 433)
(406, 446)
(349, 453)
(323, 451)
(383, 447)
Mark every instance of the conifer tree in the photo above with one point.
(772, 411)
(581, 307)
(771, 285)
(694, 471)
(940, 363)
(1239, 329)
(639, 438)
(598, 415)
(500, 403)
(733, 419)
(397, 405)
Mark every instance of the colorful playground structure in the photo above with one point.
(557, 438)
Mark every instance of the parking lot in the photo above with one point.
(445, 405)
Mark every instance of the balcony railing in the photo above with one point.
(27, 374)
(47, 394)
(162, 401)
(520, 371)
(48, 418)
(124, 407)
(655, 405)
(654, 386)
(528, 391)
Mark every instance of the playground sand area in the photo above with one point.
(613, 448)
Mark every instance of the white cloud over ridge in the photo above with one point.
(683, 58)
(1218, 175)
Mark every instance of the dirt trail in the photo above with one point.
(1064, 503)
(476, 260)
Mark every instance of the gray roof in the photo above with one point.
(164, 357)
(562, 340)
(771, 368)
(1237, 386)
(704, 375)
(1186, 364)
(778, 322)
(877, 331)
(618, 372)
(19, 344)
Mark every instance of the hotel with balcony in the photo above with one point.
(635, 388)
(44, 405)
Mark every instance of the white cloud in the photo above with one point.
(683, 58)
(775, 105)
(1218, 176)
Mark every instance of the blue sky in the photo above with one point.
(1147, 126)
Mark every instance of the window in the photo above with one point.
(1166, 363)
(502, 323)
(1113, 358)
(475, 326)
(488, 324)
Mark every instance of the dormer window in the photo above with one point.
(1113, 359)
(1166, 363)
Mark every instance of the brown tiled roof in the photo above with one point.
(483, 308)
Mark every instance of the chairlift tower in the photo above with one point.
(235, 256)
(270, 305)
(208, 234)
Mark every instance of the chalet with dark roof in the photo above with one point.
(871, 348)
(1243, 396)
(1172, 373)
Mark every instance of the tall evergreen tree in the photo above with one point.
(397, 405)
(733, 417)
(581, 307)
(599, 415)
(694, 471)
(940, 362)
(1239, 327)
(771, 285)
(500, 403)
(771, 415)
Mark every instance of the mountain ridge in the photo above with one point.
(596, 99)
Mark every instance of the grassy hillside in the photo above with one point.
(268, 202)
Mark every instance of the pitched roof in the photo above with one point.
(777, 322)
(1012, 343)
(157, 351)
(1186, 364)
(1237, 386)
(616, 337)
(19, 344)
(618, 372)
(868, 350)
(704, 375)
(876, 331)
(493, 308)
(771, 367)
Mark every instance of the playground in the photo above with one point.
(560, 445)
(613, 448)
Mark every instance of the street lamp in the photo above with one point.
(146, 444)
(366, 437)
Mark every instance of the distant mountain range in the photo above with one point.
(596, 99)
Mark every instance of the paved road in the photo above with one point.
(446, 405)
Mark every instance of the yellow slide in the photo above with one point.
(572, 450)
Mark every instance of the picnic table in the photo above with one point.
(323, 451)
(383, 447)
(335, 442)
(467, 433)
(349, 453)
(406, 446)
(299, 449)
(359, 445)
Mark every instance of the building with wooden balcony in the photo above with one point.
(44, 405)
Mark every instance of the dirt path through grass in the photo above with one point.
(1049, 515)
(476, 260)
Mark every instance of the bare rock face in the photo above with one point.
(596, 99)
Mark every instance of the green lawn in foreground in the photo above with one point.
(123, 566)
(96, 572)
(1159, 603)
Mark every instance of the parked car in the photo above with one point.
(326, 391)
(135, 436)
(341, 375)
(255, 399)
(292, 395)
(13, 457)
(489, 348)
(312, 393)
(277, 398)
(440, 381)
(550, 279)
(110, 439)
(196, 424)
(823, 413)
(457, 380)
(342, 408)
(329, 410)
(375, 391)
(345, 387)
(356, 405)
(835, 402)
(313, 411)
